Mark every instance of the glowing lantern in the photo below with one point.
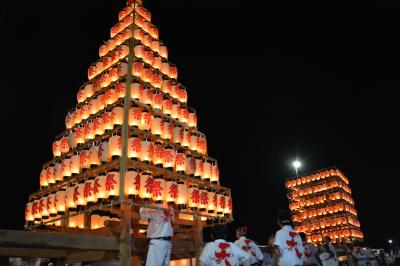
(99, 188)
(113, 74)
(94, 155)
(64, 147)
(110, 96)
(147, 40)
(186, 138)
(171, 191)
(68, 120)
(215, 173)
(88, 192)
(176, 110)
(221, 203)
(100, 67)
(147, 74)
(182, 198)
(202, 145)
(35, 211)
(157, 62)
(199, 168)
(177, 134)
(92, 72)
(44, 213)
(154, 32)
(157, 126)
(193, 141)
(76, 221)
(167, 129)
(157, 101)
(69, 198)
(184, 115)
(103, 50)
(169, 157)
(72, 140)
(78, 195)
(194, 197)
(112, 184)
(166, 86)
(148, 57)
(123, 51)
(28, 213)
(66, 168)
(146, 188)
(207, 170)
(50, 175)
(182, 94)
(56, 147)
(132, 182)
(159, 190)
(95, 220)
(180, 162)
(84, 112)
(84, 159)
(123, 69)
(75, 164)
(104, 153)
(134, 148)
(147, 150)
(79, 137)
(88, 131)
(165, 68)
(190, 165)
(138, 34)
(167, 106)
(115, 145)
(136, 90)
(107, 121)
(57, 172)
(137, 69)
(163, 51)
(139, 51)
(135, 116)
(173, 72)
(228, 207)
(146, 120)
(158, 158)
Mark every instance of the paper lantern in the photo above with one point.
(84, 159)
(146, 74)
(72, 140)
(59, 201)
(135, 116)
(157, 62)
(215, 173)
(155, 46)
(115, 145)
(186, 138)
(190, 165)
(99, 188)
(58, 177)
(163, 51)
(199, 168)
(194, 197)
(167, 130)
(92, 72)
(138, 34)
(95, 221)
(78, 195)
(173, 72)
(64, 147)
(69, 197)
(202, 145)
(147, 150)
(158, 158)
(35, 211)
(182, 198)
(177, 134)
(88, 131)
(147, 39)
(42, 208)
(148, 57)
(94, 155)
(146, 181)
(228, 206)
(123, 51)
(167, 106)
(112, 184)
(169, 157)
(75, 164)
(134, 148)
(166, 86)
(137, 69)
(132, 183)
(66, 168)
(153, 32)
(88, 192)
(139, 51)
(76, 221)
(103, 50)
(159, 190)
(180, 162)
(221, 203)
(171, 194)
(84, 112)
(157, 102)
(146, 120)
(104, 153)
(157, 126)
(207, 170)
(165, 68)
(110, 96)
(50, 175)
(68, 120)
(28, 212)
(204, 200)
(136, 90)
(193, 141)
(56, 147)
(79, 136)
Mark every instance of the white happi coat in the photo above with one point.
(222, 253)
(310, 253)
(361, 255)
(327, 259)
(290, 246)
(251, 248)
(160, 225)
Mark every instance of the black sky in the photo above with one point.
(313, 79)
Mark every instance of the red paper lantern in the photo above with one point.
(147, 39)
(207, 170)
(169, 157)
(166, 86)
(117, 115)
(182, 198)
(184, 117)
(75, 164)
(215, 173)
(190, 165)
(157, 126)
(99, 188)
(186, 138)
(58, 177)
(199, 168)
(94, 155)
(157, 62)
(88, 192)
(165, 68)
(167, 129)
(69, 198)
(147, 96)
(56, 147)
(167, 106)
(112, 184)
(136, 91)
(193, 141)
(134, 147)
(171, 191)
(147, 150)
(192, 122)
(66, 168)
(115, 145)
(173, 72)
(154, 32)
(148, 57)
(146, 189)
(180, 162)
(132, 182)
(159, 190)
(194, 197)
(104, 153)
(158, 158)
(204, 199)
(146, 120)
(98, 126)
(84, 159)
(60, 201)
(103, 50)
(139, 51)
(202, 145)
(146, 74)
(176, 110)
(43, 179)
(163, 51)
(135, 116)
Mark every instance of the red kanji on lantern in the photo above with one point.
(149, 185)
(157, 188)
(137, 182)
(173, 191)
(64, 144)
(35, 208)
(76, 193)
(168, 156)
(119, 142)
(83, 157)
(204, 198)
(110, 181)
(215, 200)
(87, 190)
(230, 204)
(135, 145)
(48, 203)
(195, 196)
(41, 205)
(55, 201)
(222, 202)
(96, 186)
(180, 159)
(159, 151)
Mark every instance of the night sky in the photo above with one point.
(316, 80)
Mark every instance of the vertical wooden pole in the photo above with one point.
(197, 237)
(125, 247)
(86, 218)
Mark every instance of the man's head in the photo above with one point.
(284, 218)
(219, 232)
(241, 231)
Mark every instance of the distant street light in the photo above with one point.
(390, 241)
(296, 164)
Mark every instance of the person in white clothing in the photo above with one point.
(288, 246)
(360, 254)
(249, 246)
(310, 256)
(159, 234)
(222, 253)
(328, 253)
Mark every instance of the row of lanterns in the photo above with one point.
(335, 235)
(144, 150)
(320, 200)
(139, 9)
(137, 184)
(316, 177)
(318, 188)
(309, 214)
(325, 223)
